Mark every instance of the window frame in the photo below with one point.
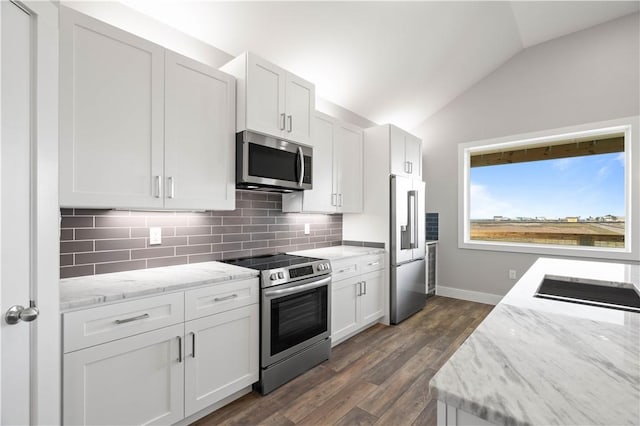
(630, 126)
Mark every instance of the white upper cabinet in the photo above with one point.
(140, 126)
(405, 152)
(199, 134)
(111, 115)
(337, 170)
(271, 100)
(349, 147)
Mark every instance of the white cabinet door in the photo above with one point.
(111, 115)
(221, 356)
(344, 308)
(397, 152)
(300, 107)
(265, 96)
(319, 199)
(371, 301)
(413, 154)
(136, 380)
(199, 136)
(350, 179)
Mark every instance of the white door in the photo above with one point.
(199, 136)
(300, 107)
(111, 116)
(131, 381)
(350, 140)
(398, 162)
(321, 197)
(221, 356)
(29, 213)
(344, 308)
(413, 154)
(371, 302)
(265, 107)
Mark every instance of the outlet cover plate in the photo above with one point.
(155, 235)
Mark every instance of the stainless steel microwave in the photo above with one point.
(271, 164)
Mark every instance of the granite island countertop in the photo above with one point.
(534, 361)
(83, 292)
(339, 252)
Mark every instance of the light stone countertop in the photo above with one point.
(82, 292)
(339, 252)
(534, 361)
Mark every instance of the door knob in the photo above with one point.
(16, 313)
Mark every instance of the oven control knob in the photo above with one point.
(321, 267)
(326, 266)
(273, 277)
(281, 275)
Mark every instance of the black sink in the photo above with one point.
(622, 298)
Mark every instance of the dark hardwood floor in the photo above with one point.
(381, 376)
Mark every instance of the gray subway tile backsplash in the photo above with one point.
(96, 241)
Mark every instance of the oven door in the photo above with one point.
(294, 316)
(271, 162)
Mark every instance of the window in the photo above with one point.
(558, 192)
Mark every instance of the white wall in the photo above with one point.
(592, 75)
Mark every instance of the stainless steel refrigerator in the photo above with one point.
(408, 289)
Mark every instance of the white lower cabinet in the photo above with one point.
(136, 380)
(221, 357)
(167, 374)
(357, 301)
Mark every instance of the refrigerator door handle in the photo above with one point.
(412, 219)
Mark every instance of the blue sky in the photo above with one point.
(578, 186)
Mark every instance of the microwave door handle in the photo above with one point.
(301, 162)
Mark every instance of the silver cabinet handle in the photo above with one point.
(373, 263)
(221, 299)
(364, 283)
(282, 121)
(139, 317)
(290, 118)
(411, 167)
(179, 348)
(334, 199)
(172, 187)
(193, 344)
(406, 167)
(339, 200)
(158, 186)
(301, 161)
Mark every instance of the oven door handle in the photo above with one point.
(297, 289)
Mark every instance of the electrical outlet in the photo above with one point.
(155, 235)
(307, 229)
(512, 274)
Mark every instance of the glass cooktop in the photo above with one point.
(270, 261)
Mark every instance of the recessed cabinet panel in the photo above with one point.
(265, 103)
(137, 380)
(319, 199)
(405, 153)
(300, 105)
(221, 356)
(111, 136)
(351, 172)
(199, 136)
(372, 298)
(344, 308)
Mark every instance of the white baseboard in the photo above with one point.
(473, 296)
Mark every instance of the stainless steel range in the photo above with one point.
(295, 315)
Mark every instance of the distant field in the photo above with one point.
(598, 234)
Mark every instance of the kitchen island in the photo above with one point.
(544, 362)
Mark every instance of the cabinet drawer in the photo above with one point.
(345, 268)
(93, 326)
(220, 298)
(373, 262)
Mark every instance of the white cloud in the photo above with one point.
(485, 206)
(563, 164)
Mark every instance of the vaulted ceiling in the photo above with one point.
(396, 62)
